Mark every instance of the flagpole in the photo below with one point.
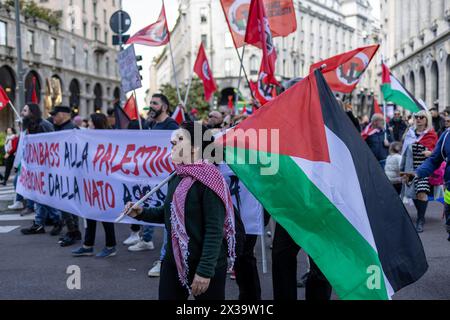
(384, 115)
(239, 81)
(186, 96)
(137, 110)
(241, 60)
(263, 244)
(175, 73)
(14, 109)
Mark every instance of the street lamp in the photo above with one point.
(19, 56)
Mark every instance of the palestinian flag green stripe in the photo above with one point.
(313, 220)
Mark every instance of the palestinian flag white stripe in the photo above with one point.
(339, 182)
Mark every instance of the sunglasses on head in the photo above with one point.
(420, 117)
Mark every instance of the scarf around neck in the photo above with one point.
(211, 177)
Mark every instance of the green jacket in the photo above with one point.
(204, 221)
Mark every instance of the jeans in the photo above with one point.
(43, 211)
(147, 233)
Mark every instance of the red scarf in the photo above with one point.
(211, 177)
(368, 131)
(428, 139)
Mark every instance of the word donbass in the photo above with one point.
(42, 153)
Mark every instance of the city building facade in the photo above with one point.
(416, 46)
(68, 59)
(324, 28)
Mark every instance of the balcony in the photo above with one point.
(100, 47)
(7, 53)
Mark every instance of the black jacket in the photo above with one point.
(43, 126)
(68, 125)
(376, 144)
(398, 129)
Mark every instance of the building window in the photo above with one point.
(3, 33)
(227, 67)
(106, 37)
(84, 5)
(203, 17)
(86, 59)
(107, 67)
(30, 36)
(95, 8)
(74, 56)
(295, 68)
(53, 47)
(205, 40)
(228, 40)
(97, 63)
(85, 29)
(95, 33)
(105, 16)
(253, 65)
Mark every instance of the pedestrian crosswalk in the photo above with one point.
(14, 219)
(7, 193)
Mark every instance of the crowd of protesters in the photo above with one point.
(407, 148)
(412, 151)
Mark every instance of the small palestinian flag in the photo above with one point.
(395, 92)
(318, 179)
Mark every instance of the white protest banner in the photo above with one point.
(129, 72)
(94, 173)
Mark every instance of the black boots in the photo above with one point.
(421, 207)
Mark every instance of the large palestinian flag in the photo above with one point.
(395, 92)
(324, 186)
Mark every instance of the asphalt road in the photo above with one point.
(34, 267)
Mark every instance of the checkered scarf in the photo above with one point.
(211, 177)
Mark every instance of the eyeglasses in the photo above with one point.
(419, 117)
(154, 103)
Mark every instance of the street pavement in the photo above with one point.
(34, 267)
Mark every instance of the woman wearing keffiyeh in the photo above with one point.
(198, 214)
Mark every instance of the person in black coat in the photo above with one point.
(397, 126)
(62, 120)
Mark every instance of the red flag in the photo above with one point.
(230, 103)
(4, 99)
(262, 91)
(202, 69)
(343, 72)
(376, 106)
(257, 21)
(281, 14)
(34, 98)
(131, 109)
(155, 35)
(178, 115)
